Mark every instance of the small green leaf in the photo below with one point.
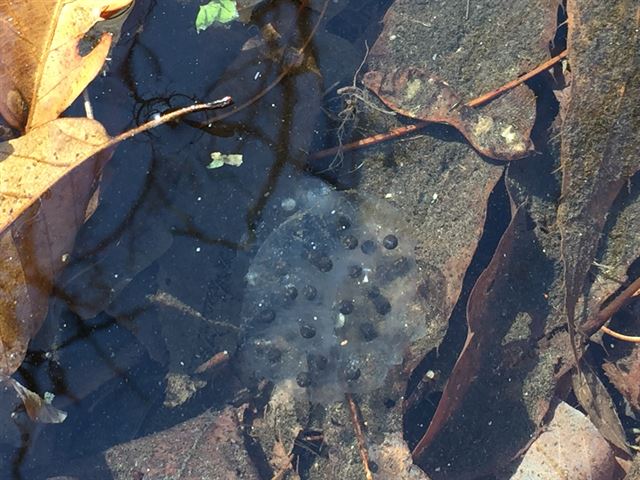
(219, 159)
(216, 11)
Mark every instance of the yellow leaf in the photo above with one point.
(41, 69)
(46, 180)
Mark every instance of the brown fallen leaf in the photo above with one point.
(41, 69)
(462, 55)
(600, 149)
(31, 164)
(624, 374)
(500, 388)
(417, 94)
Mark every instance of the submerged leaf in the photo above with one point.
(417, 94)
(46, 180)
(600, 146)
(39, 409)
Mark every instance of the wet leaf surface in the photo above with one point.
(445, 57)
(500, 369)
(42, 70)
(208, 446)
(416, 94)
(168, 227)
(600, 150)
(34, 235)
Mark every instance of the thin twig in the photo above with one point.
(514, 83)
(607, 312)
(362, 446)
(221, 103)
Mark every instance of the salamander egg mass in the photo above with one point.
(321, 311)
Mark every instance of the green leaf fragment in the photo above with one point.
(216, 11)
(219, 159)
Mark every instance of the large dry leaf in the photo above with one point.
(600, 147)
(43, 197)
(41, 68)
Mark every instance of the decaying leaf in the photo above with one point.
(600, 146)
(39, 409)
(501, 385)
(41, 69)
(438, 58)
(625, 376)
(419, 95)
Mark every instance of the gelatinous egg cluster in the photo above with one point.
(331, 297)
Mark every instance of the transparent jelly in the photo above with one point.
(331, 297)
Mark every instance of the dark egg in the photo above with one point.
(346, 307)
(351, 371)
(350, 242)
(307, 331)
(382, 305)
(321, 261)
(303, 379)
(273, 354)
(354, 271)
(310, 292)
(368, 247)
(317, 362)
(290, 293)
(390, 242)
(280, 267)
(368, 331)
